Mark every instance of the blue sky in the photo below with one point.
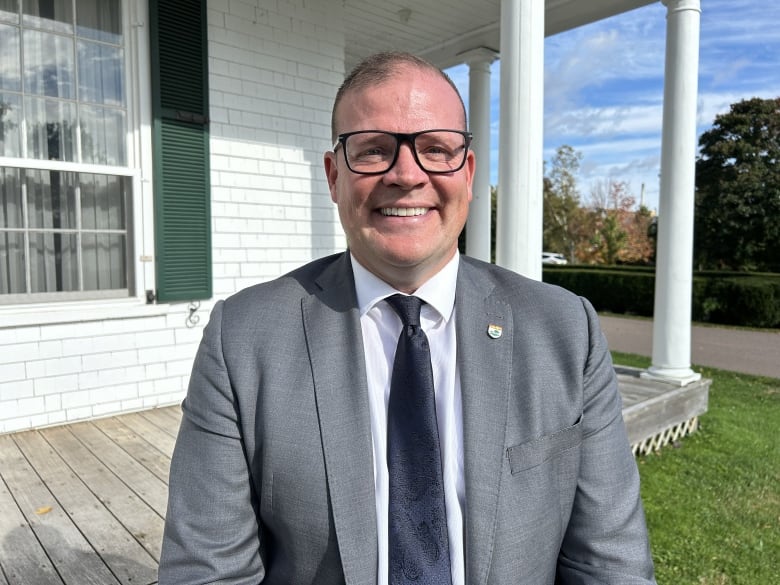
(604, 86)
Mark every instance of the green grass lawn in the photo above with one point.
(713, 500)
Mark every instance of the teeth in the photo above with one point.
(404, 211)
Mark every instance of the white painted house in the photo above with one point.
(156, 156)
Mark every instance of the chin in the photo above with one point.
(403, 258)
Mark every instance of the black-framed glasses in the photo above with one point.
(373, 152)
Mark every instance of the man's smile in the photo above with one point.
(403, 211)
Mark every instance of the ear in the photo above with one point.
(469, 170)
(332, 173)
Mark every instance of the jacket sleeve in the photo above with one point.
(606, 540)
(211, 529)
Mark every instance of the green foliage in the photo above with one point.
(749, 300)
(737, 222)
(612, 238)
(616, 232)
(608, 230)
(562, 202)
(610, 289)
(597, 268)
(712, 502)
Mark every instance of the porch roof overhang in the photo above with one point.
(442, 31)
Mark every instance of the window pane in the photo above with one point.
(100, 20)
(62, 98)
(53, 262)
(102, 202)
(51, 126)
(11, 263)
(10, 199)
(103, 256)
(102, 136)
(49, 14)
(10, 72)
(9, 11)
(48, 64)
(10, 126)
(12, 279)
(100, 74)
(51, 199)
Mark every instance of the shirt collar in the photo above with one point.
(438, 291)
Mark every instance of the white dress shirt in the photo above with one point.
(381, 328)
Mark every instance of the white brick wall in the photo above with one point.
(274, 70)
(65, 372)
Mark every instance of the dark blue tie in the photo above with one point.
(418, 544)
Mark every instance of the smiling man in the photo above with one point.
(403, 201)
(398, 413)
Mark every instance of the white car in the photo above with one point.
(553, 258)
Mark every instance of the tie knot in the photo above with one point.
(407, 307)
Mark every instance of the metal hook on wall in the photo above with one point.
(192, 318)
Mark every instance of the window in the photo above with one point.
(65, 175)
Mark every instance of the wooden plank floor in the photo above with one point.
(84, 504)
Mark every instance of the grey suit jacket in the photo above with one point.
(272, 474)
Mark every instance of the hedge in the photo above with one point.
(728, 298)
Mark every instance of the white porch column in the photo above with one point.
(519, 237)
(478, 224)
(674, 262)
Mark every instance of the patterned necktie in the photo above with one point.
(418, 544)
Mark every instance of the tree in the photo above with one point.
(608, 198)
(639, 246)
(737, 222)
(562, 212)
(618, 233)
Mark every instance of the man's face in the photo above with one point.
(402, 248)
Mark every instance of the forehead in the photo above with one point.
(410, 100)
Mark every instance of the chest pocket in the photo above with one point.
(533, 453)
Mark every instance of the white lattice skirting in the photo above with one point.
(665, 437)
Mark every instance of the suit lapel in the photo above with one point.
(485, 337)
(332, 328)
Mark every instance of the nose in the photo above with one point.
(405, 172)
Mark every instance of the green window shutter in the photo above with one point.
(182, 191)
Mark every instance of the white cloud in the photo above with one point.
(592, 122)
(570, 69)
(628, 146)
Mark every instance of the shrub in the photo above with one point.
(729, 298)
(748, 301)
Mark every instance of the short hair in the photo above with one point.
(379, 68)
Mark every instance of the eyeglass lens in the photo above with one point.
(438, 151)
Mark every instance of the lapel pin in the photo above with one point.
(494, 331)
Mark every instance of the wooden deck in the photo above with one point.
(83, 504)
(657, 413)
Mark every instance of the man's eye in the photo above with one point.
(437, 151)
(373, 151)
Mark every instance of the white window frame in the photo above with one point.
(64, 307)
